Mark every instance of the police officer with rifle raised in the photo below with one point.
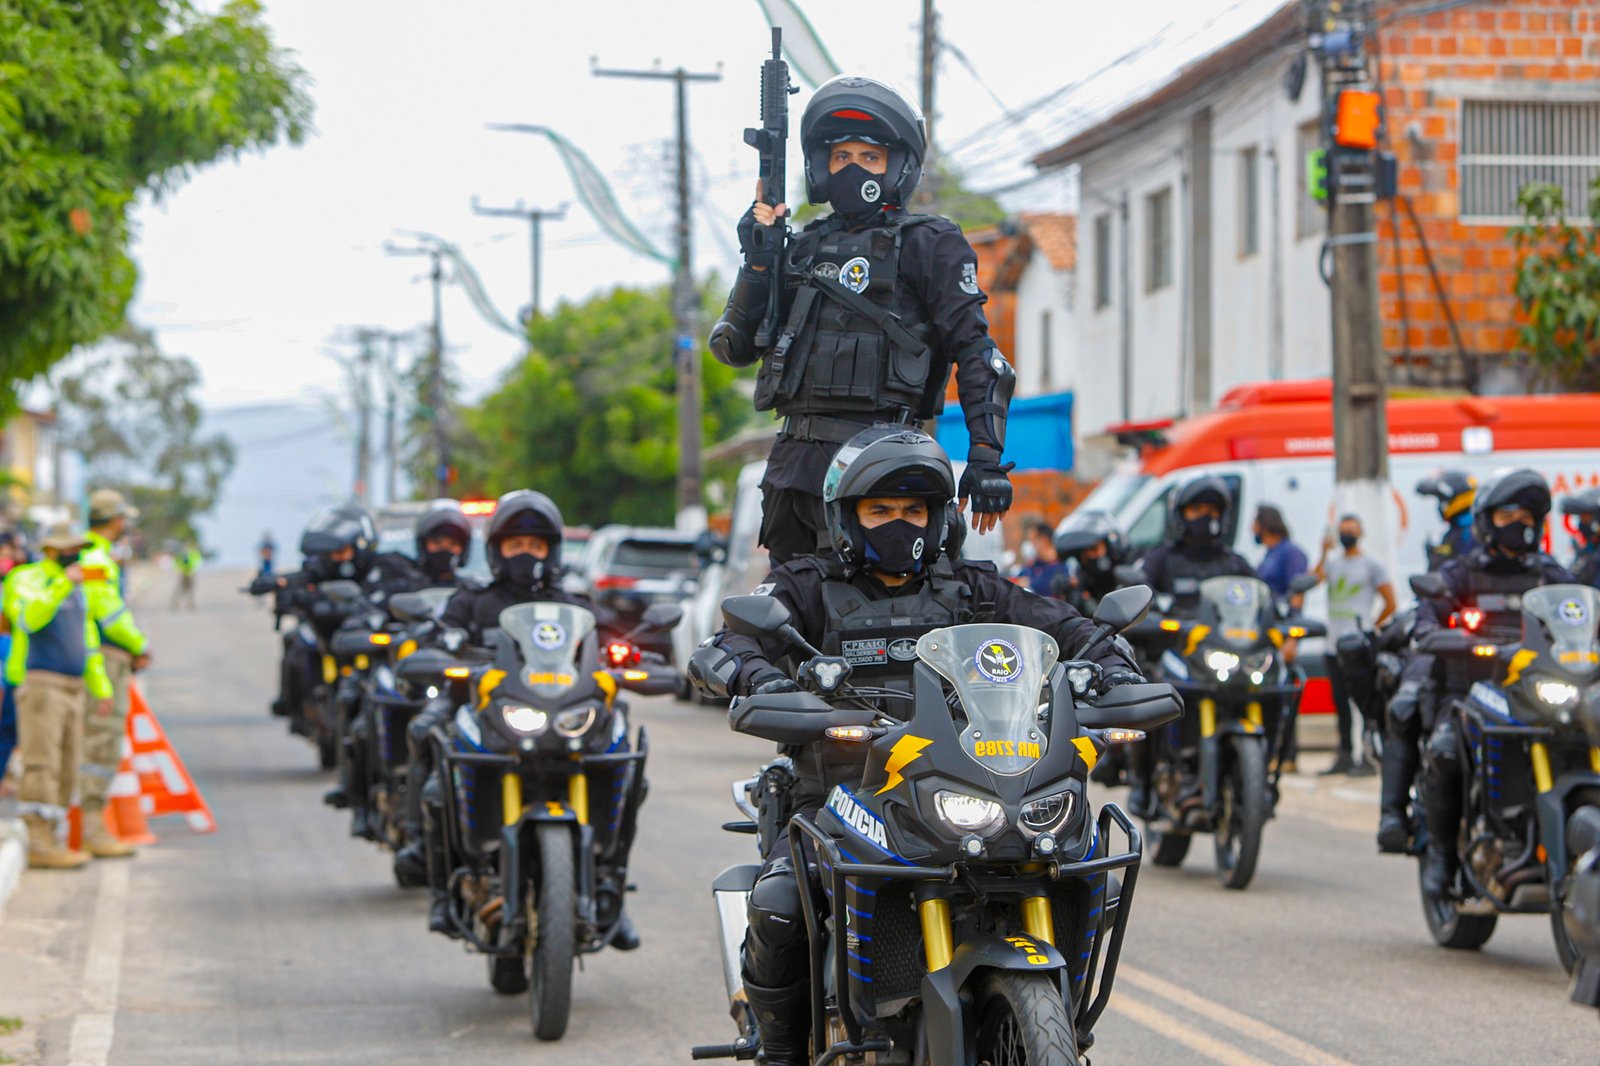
(858, 318)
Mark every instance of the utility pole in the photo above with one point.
(929, 192)
(535, 217)
(434, 374)
(391, 374)
(685, 304)
(1340, 34)
(368, 337)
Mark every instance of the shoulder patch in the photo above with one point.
(969, 278)
(764, 589)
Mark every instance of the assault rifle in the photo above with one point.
(771, 139)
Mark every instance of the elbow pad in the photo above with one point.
(732, 338)
(986, 421)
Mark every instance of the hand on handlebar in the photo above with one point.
(1120, 676)
(774, 685)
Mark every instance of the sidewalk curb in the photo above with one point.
(13, 857)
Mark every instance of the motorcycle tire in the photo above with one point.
(550, 991)
(1167, 849)
(508, 975)
(1566, 950)
(1244, 813)
(1023, 1021)
(1452, 929)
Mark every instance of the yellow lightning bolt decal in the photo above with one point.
(1085, 748)
(906, 750)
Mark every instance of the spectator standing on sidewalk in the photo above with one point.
(1284, 560)
(187, 560)
(1047, 574)
(1355, 581)
(54, 662)
(125, 650)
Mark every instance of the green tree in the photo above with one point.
(134, 415)
(101, 100)
(1558, 288)
(589, 416)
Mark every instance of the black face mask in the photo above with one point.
(1203, 530)
(1100, 564)
(347, 569)
(897, 547)
(1349, 540)
(440, 565)
(66, 559)
(855, 192)
(523, 571)
(1258, 538)
(1515, 538)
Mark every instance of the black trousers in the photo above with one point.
(792, 523)
(1343, 708)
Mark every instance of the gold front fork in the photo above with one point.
(1594, 759)
(1543, 779)
(1208, 718)
(511, 798)
(1253, 715)
(1037, 920)
(937, 941)
(578, 796)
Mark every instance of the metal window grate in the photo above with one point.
(1506, 144)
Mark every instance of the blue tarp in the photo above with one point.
(1038, 432)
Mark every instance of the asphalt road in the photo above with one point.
(281, 940)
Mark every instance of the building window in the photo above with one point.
(1102, 261)
(1249, 202)
(1045, 378)
(1311, 217)
(1158, 240)
(1506, 144)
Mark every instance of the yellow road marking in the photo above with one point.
(1182, 1032)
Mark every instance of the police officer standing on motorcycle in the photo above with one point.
(1508, 520)
(1454, 490)
(1584, 507)
(1093, 542)
(877, 305)
(1195, 551)
(886, 581)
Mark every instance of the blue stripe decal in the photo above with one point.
(858, 914)
(1096, 911)
(859, 958)
(863, 891)
(862, 936)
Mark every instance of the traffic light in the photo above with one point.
(1317, 174)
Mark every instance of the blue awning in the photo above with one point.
(1038, 432)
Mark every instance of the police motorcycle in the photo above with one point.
(1583, 897)
(542, 796)
(1220, 776)
(974, 909)
(1529, 730)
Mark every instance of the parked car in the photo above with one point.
(628, 568)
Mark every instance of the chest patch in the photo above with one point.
(871, 651)
(855, 274)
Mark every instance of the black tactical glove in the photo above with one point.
(747, 234)
(1120, 675)
(985, 483)
(768, 684)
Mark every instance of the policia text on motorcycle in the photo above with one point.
(877, 306)
(886, 580)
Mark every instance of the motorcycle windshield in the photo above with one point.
(1569, 614)
(1239, 603)
(550, 637)
(435, 598)
(997, 672)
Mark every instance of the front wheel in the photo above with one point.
(1453, 929)
(555, 929)
(1244, 812)
(1580, 829)
(1023, 1021)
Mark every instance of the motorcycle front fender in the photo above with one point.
(1211, 756)
(518, 847)
(1552, 809)
(950, 1034)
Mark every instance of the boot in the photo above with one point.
(336, 798)
(45, 852)
(410, 863)
(1400, 763)
(363, 824)
(783, 1017)
(1440, 864)
(626, 938)
(432, 844)
(439, 920)
(99, 841)
(1342, 764)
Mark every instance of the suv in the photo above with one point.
(630, 567)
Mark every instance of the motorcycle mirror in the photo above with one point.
(340, 591)
(1303, 582)
(755, 616)
(1124, 607)
(409, 607)
(1428, 586)
(661, 616)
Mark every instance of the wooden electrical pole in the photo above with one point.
(434, 389)
(535, 217)
(685, 303)
(929, 191)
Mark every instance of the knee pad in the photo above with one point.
(776, 919)
(432, 791)
(1442, 744)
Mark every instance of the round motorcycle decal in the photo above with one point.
(903, 650)
(1238, 593)
(1573, 611)
(549, 635)
(999, 661)
(855, 274)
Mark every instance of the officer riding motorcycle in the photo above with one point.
(1584, 507)
(887, 581)
(1092, 540)
(1508, 518)
(876, 306)
(1195, 550)
(1453, 489)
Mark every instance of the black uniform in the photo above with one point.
(1586, 566)
(1178, 569)
(852, 614)
(1457, 543)
(875, 317)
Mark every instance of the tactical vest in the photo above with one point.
(1457, 543)
(1586, 567)
(1498, 594)
(844, 349)
(1184, 575)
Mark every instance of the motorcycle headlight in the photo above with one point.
(1222, 663)
(524, 720)
(1048, 814)
(969, 814)
(575, 721)
(1556, 693)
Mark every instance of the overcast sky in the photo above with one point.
(253, 265)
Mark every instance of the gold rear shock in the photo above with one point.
(1594, 759)
(1253, 715)
(578, 796)
(1037, 920)
(1543, 779)
(511, 798)
(330, 670)
(938, 943)
(1208, 718)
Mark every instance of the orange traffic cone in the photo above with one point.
(165, 786)
(124, 806)
(75, 828)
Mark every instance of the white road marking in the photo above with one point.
(94, 1028)
(1228, 1018)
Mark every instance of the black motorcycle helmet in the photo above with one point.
(1082, 530)
(1515, 488)
(886, 461)
(851, 107)
(334, 529)
(1585, 507)
(1452, 488)
(524, 512)
(1206, 489)
(444, 518)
